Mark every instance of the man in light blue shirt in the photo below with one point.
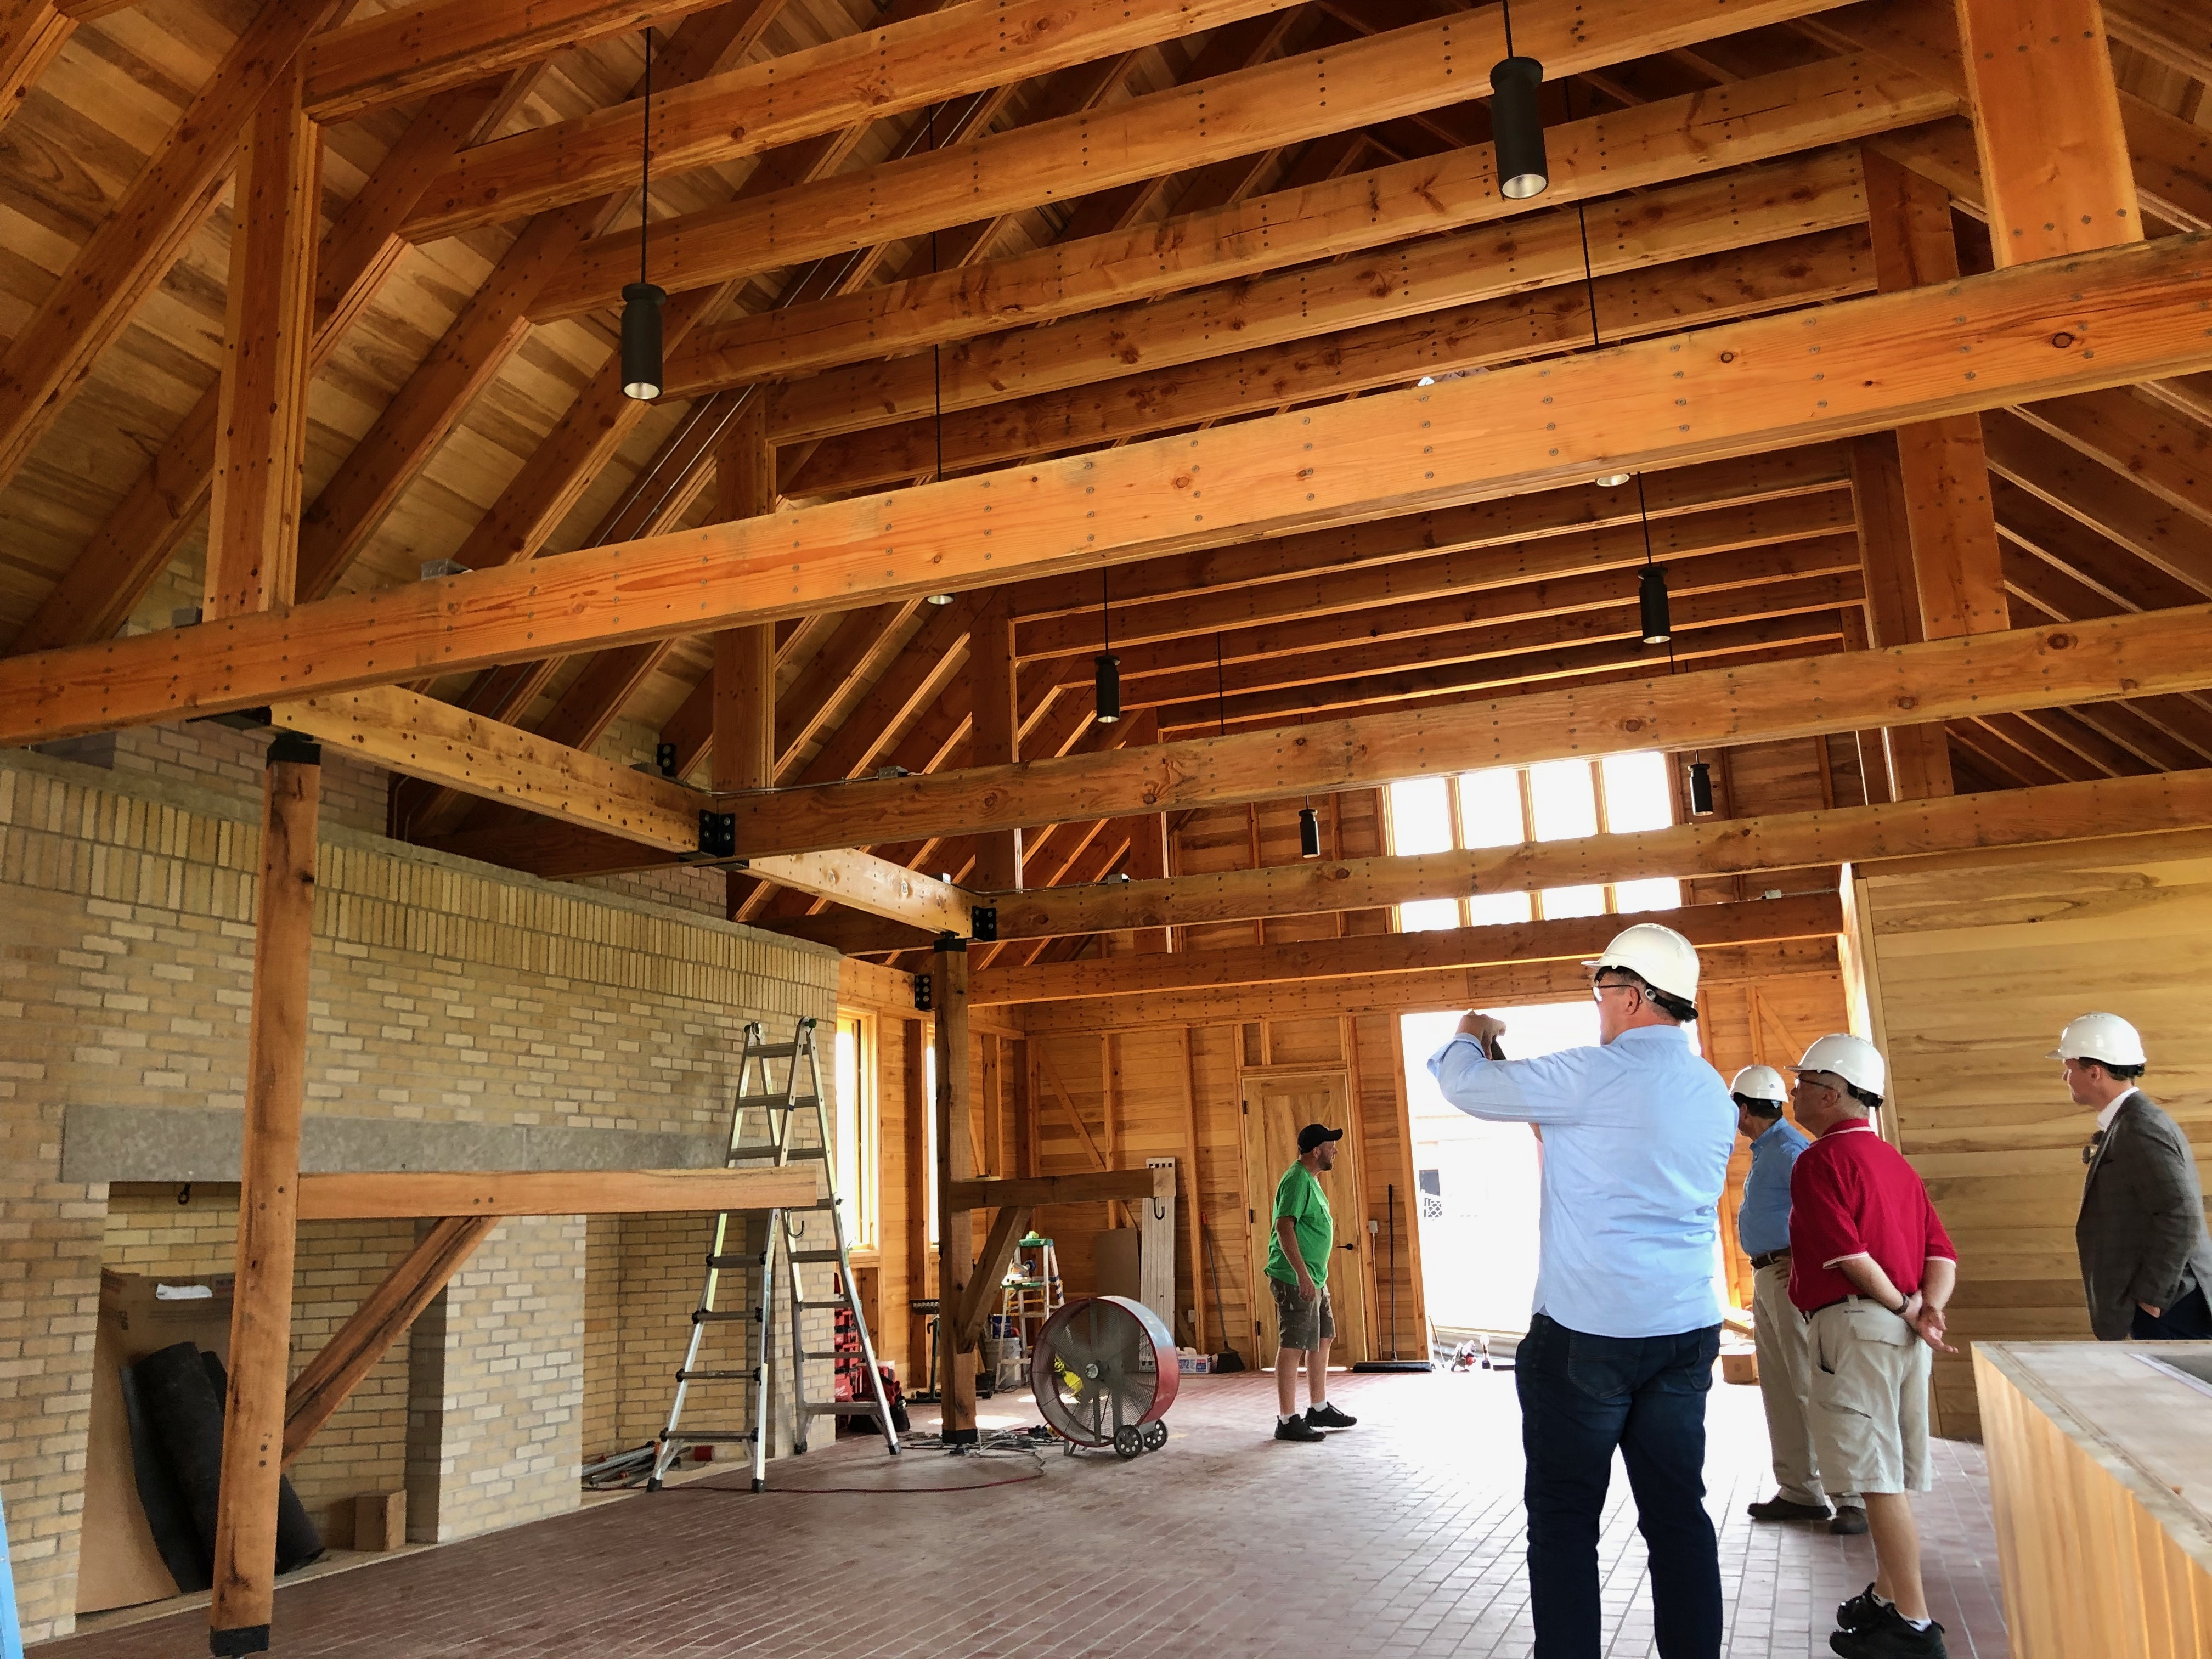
(1636, 1134)
(1778, 1330)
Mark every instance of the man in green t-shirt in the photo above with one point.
(1298, 1273)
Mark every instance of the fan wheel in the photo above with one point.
(1128, 1442)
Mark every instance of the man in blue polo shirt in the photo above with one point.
(1620, 1349)
(1778, 1330)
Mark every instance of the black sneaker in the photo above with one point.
(1889, 1636)
(1860, 1610)
(1326, 1416)
(1851, 1521)
(1297, 1428)
(1781, 1509)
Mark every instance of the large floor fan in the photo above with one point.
(1105, 1373)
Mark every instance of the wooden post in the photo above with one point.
(268, 1204)
(1958, 574)
(2055, 165)
(956, 1228)
(1193, 1198)
(1919, 755)
(744, 658)
(261, 430)
(995, 728)
(919, 1175)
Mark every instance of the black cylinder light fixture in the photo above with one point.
(1651, 602)
(1308, 832)
(1517, 126)
(641, 300)
(1701, 789)
(1107, 680)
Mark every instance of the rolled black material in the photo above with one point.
(1109, 687)
(1522, 170)
(298, 1542)
(1651, 601)
(641, 340)
(168, 1515)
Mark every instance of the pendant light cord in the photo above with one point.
(1105, 620)
(936, 349)
(645, 160)
(1582, 218)
(1220, 692)
(1508, 8)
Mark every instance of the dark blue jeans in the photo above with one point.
(2188, 1320)
(1581, 1396)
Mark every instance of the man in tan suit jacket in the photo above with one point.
(2146, 1260)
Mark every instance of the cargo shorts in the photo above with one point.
(1304, 1323)
(1867, 1402)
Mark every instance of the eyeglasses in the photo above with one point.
(1599, 990)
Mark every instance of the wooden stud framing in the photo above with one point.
(995, 728)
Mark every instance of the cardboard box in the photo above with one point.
(1739, 1365)
(119, 1565)
(380, 1521)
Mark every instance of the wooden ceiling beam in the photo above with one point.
(1560, 979)
(1350, 213)
(1965, 677)
(2170, 457)
(1571, 938)
(32, 34)
(347, 1196)
(2083, 553)
(1512, 529)
(1555, 573)
(1706, 395)
(415, 50)
(1820, 192)
(2059, 474)
(1800, 270)
(2176, 33)
(133, 247)
(908, 65)
(1274, 104)
(140, 534)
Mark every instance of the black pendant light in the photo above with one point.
(641, 301)
(1701, 789)
(1518, 128)
(1108, 708)
(1651, 587)
(1308, 832)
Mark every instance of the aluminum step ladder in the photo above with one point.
(768, 1129)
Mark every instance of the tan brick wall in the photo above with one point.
(363, 1449)
(440, 991)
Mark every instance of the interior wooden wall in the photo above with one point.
(1974, 969)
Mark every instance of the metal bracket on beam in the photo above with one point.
(718, 834)
(983, 922)
(239, 719)
(922, 1000)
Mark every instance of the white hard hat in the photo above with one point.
(1760, 1082)
(1853, 1059)
(2105, 1038)
(1658, 955)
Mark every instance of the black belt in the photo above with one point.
(1868, 1300)
(1769, 1259)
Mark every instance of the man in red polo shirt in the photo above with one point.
(1871, 1267)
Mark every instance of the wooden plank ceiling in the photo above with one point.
(1071, 227)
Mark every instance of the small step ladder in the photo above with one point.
(771, 1117)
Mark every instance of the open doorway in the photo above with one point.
(1480, 1184)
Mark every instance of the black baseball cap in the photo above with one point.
(1313, 1134)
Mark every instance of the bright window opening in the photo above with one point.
(856, 1128)
(1555, 800)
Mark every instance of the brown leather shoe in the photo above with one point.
(1849, 1522)
(1781, 1509)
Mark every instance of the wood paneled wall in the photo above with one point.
(1973, 969)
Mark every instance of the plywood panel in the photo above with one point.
(1975, 971)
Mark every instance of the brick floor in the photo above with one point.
(1399, 1538)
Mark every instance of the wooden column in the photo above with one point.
(914, 1099)
(1957, 563)
(995, 731)
(2055, 170)
(268, 1205)
(1148, 861)
(1919, 755)
(955, 1161)
(261, 431)
(744, 658)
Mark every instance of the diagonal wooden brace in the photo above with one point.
(339, 1365)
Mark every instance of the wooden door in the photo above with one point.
(1277, 1105)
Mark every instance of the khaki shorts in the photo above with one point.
(1298, 1317)
(1868, 1399)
